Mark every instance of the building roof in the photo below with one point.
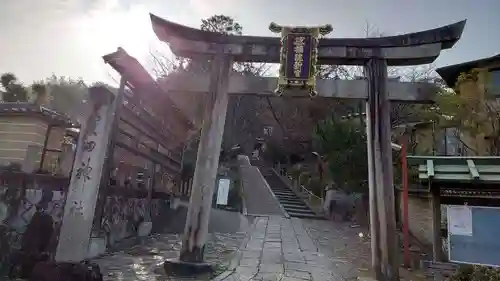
(25, 108)
(450, 73)
(457, 169)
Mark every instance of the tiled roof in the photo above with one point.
(16, 108)
(453, 169)
(450, 73)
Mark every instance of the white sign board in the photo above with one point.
(460, 220)
(223, 191)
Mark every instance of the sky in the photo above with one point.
(69, 37)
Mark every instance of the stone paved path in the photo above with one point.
(352, 254)
(275, 249)
(341, 242)
(145, 261)
(280, 249)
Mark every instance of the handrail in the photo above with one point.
(313, 201)
(309, 193)
(305, 189)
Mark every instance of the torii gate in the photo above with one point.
(375, 54)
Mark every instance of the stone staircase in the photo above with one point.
(292, 204)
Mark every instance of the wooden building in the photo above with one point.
(25, 125)
(451, 181)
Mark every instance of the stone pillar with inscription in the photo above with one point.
(86, 175)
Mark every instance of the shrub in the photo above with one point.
(476, 273)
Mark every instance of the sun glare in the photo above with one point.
(103, 30)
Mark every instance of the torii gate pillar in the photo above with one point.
(207, 162)
(384, 241)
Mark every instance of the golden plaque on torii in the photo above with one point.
(298, 56)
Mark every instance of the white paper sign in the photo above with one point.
(223, 191)
(460, 220)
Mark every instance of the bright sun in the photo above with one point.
(102, 31)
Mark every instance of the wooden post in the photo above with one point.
(85, 178)
(381, 174)
(207, 162)
(146, 226)
(45, 143)
(406, 219)
(374, 223)
(437, 247)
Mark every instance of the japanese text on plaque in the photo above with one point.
(298, 48)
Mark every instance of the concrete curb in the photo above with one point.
(258, 215)
(244, 209)
(223, 275)
(235, 260)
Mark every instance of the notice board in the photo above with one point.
(474, 235)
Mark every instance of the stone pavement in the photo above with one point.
(275, 249)
(352, 254)
(280, 249)
(342, 243)
(145, 261)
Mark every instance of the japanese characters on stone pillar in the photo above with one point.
(86, 175)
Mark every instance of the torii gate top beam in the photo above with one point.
(408, 49)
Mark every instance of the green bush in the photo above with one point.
(476, 273)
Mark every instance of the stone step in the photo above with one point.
(287, 193)
(292, 204)
(299, 209)
(282, 190)
(306, 216)
(298, 206)
(295, 213)
(290, 199)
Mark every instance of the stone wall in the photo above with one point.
(122, 216)
(21, 197)
(420, 216)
